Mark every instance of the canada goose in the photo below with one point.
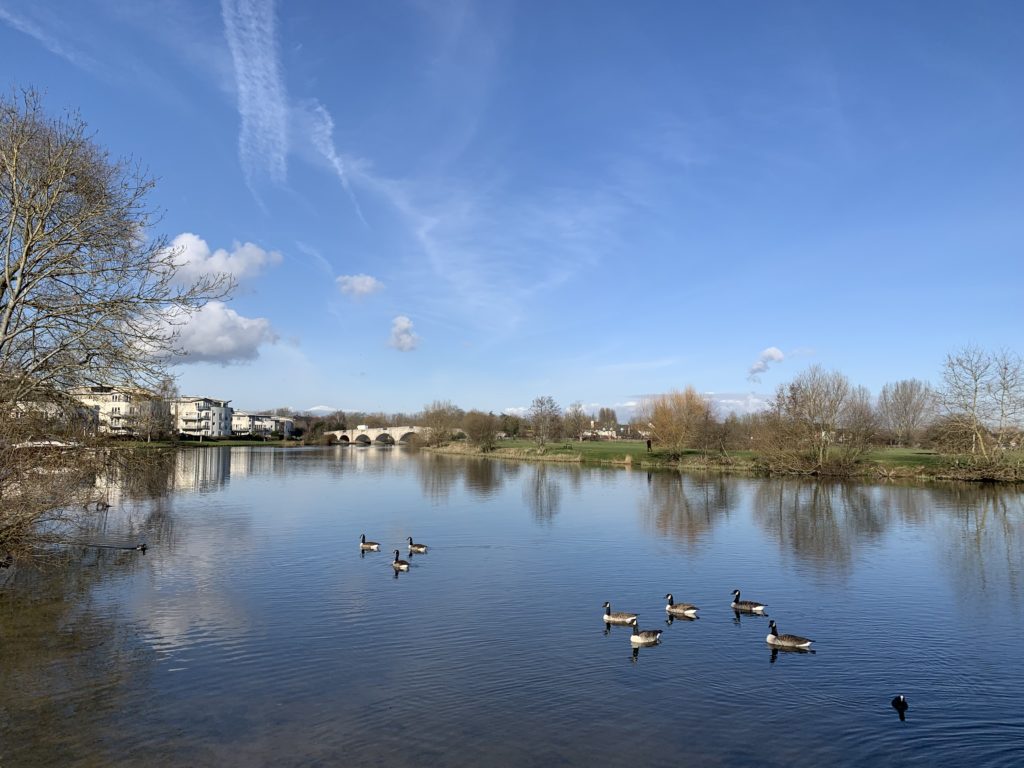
(141, 547)
(680, 609)
(901, 706)
(644, 636)
(785, 641)
(617, 618)
(746, 605)
(399, 565)
(416, 547)
(371, 546)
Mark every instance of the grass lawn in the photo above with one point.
(906, 457)
(605, 450)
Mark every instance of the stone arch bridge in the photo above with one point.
(379, 435)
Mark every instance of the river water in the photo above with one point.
(252, 631)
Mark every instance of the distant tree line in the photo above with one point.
(817, 423)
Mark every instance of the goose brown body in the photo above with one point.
(746, 605)
(399, 565)
(680, 609)
(785, 641)
(617, 618)
(644, 636)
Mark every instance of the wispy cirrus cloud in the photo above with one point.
(358, 285)
(321, 132)
(402, 336)
(46, 38)
(250, 29)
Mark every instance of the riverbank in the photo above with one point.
(885, 463)
(882, 463)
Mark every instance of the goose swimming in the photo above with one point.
(746, 605)
(900, 705)
(400, 565)
(617, 618)
(680, 609)
(369, 546)
(416, 547)
(785, 641)
(644, 636)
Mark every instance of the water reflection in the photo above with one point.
(685, 507)
(818, 521)
(238, 609)
(542, 493)
(484, 477)
(777, 649)
(826, 523)
(437, 475)
(739, 616)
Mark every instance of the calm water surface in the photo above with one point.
(252, 631)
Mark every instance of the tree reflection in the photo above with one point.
(483, 476)
(685, 507)
(983, 546)
(61, 654)
(817, 521)
(543, 495)
(437, 474)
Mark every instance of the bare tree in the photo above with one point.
(150, 412)
(576, 421)
(966, 378)
(86, 296)
(816, 423)
(677, 420)
(442, 418)
(545, 419)
(607, 418)
(481, 429)
(904, 408)
(1006, 390)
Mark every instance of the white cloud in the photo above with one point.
(249, 26)
(217, 334)
(738, 402)
(195, 258)
(761, 365)
(402, 336)
(517, 410)
(359, 285)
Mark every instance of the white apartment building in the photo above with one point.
(244, 423)
(123, 411)
(202, 416)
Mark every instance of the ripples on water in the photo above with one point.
(252, 631)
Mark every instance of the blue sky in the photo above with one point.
(490, 201)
